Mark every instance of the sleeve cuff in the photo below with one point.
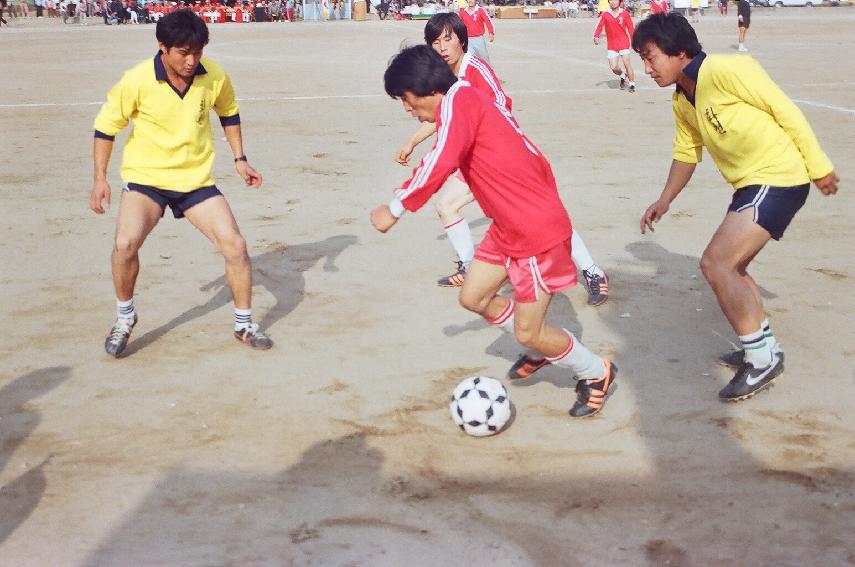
(103, 136)
(396, 207)
(230, 120)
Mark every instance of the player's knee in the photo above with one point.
(126, 246)
(233, 248)
(473, 302)
(527, 336)
(714, 266)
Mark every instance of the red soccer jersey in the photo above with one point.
(659, 7)
(480, 75)
(476, 21)
(507, 174)
(619, 29)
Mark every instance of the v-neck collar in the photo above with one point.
(160, 75)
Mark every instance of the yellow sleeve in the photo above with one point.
(226, 104)
(122, 102)
(753, 85)
(687, 138)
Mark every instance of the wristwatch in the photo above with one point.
(241, 158)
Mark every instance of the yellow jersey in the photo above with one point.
(171, 144)
(755, 134)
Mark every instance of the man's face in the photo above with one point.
(182, 60)
(471, 3)
(422, 108)
(662, 68)
(448, 46)
(614, 4)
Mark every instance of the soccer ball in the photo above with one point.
(480, 406)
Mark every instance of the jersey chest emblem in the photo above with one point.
(712, 118)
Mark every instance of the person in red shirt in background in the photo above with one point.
(477, 22)
(529, 240)
(659, 7)
(619, 29)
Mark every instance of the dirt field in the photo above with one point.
(336, 447)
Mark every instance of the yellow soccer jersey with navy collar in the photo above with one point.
(171, 143)
(755, 134)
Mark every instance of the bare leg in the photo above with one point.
(736, 242)
(213, 217)
(138, 215)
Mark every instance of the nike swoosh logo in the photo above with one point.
(753, 380)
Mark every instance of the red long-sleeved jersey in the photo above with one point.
(507, 174)
(476, 22)
(619, 29)
(480, 75)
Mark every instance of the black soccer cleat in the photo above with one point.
(736, 358)
(592, 396)
(456, 279)
(597, 287)
(526, 366)
(117, 339)
(749, 380)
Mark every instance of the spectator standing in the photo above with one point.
(659, 7)
(2, 7)
(722, 7)
(744, 22)
(477, 23)
(24, 8)
(573, 8)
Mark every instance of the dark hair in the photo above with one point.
(419, 70)
(180, 28)
(671, 33)
(438, 24)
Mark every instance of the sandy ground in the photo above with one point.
(336, 447)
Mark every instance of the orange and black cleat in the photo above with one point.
(526, 366)
(592, 396)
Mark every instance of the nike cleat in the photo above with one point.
(749, 380)
(736, 358)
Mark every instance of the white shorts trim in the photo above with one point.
(612, 54)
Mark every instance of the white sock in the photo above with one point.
(584, 363)
(581, 257)
(505, 319)
(632, 83)
(773, 343)
(757, 351)
(461, 239)
(125, 309)
(243, 319)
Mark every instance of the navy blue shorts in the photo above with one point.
(774, 207)
(179, 202)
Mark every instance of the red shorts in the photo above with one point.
(550, 271)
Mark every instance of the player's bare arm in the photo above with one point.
(99, 199)
(425, 131)
(828, 184)
(250, 176)
(678, 177)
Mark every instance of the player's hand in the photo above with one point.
(491, 37)
(382, 218)
(740, 18)
(596, 41)
(653, 214)
(827, 184)
(251, 177)
(99, 199)
(403, 155)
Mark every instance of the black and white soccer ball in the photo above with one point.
(480, 406)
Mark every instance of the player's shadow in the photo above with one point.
(611, 83)
(279, 271)
(20, 497)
